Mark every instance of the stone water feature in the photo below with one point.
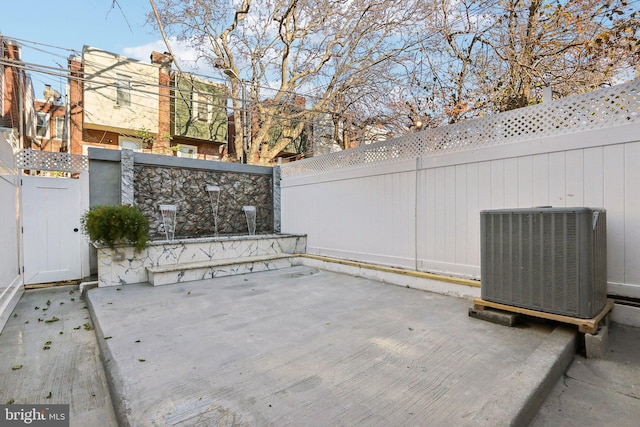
(190, 191)
(183, 260)
(209, 235)
(214, 198)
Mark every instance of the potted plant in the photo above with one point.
(112, 225)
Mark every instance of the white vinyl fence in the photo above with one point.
(11, 288)
(414, 202)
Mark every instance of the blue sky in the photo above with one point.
(71, 24)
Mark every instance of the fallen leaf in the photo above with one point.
(48, 302)
(53, 319)
(16, 367)
(11, 401)
(107, 338)
(142, 360)
(49, 395)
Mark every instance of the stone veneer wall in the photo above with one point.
(149, 180)
(186, 188)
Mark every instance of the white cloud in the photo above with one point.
(142, 53)
(185, 55)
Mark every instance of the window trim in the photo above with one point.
(201, 106)
(46, 125)
(124, 140)
(186, 154)
(123, 90)
(56, 120)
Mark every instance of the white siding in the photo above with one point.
(102, 70)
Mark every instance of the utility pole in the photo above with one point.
(245, 114)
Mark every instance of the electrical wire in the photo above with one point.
(138, 87)
(59, 73)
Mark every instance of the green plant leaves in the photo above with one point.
(116, 225)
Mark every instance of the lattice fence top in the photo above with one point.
(604, 108)
(51, 161)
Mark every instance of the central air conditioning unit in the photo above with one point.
(552, 260)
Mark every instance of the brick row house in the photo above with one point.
(17, 114)
(51, 122)
(118, 102)
(112, 101)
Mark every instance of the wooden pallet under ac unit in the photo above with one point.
(585, 326)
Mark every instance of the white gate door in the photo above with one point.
(53, 241)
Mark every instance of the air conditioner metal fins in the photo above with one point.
(547, 259)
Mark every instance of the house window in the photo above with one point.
(201, 107)
(59, 127)
(130, 143)
(42, 125)
(123, 90)
(190, 151)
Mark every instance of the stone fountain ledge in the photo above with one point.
(122, 266)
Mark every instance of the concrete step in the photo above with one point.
(187, 272)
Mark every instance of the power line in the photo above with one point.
(173, 120)
(109, 81)
(77, 53)
(138, 86)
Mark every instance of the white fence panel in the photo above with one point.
(10, 279)
(632, 214)
(424, 213)
(365, 213)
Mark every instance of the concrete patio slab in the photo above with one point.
(309, 347)
(59, 361)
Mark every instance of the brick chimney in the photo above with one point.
(164, 101)
(76, 104)
(10, 116)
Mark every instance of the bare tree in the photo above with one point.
(572, 46)
(482, 56)
(327, 50)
